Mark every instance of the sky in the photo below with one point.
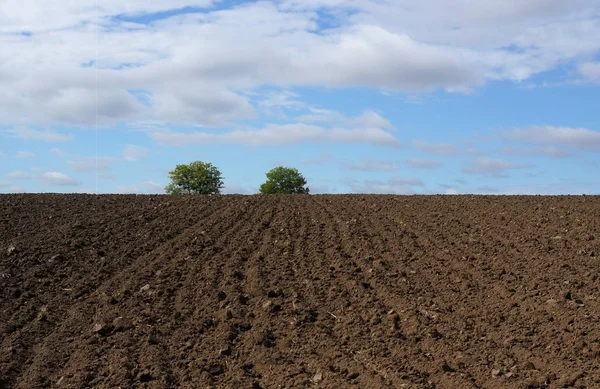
(361, 96)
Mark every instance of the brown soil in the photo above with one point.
(299, 291)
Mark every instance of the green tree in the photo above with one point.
(284, 180)
(196, 178)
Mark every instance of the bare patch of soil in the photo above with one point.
(299, 291)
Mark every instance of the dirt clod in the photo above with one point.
(215, 369)
(102, 329)
(317, 378)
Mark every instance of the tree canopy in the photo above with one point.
(284, 180)
(196, 178)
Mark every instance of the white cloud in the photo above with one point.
(38, 135)
(396, 185)
(135, 153)
(148, 126)
(368, 119)
(197, 105)
(25, 154)
(2, 154)
(19, 175)
(57, 178)
(35, 16)
(5, 184)
(577, 138)
(372, 119)
(492, 166)
(371, 165)
(590, 70)
(77, 106)
(274, 102)
(280, 134)
(193, 69)
(520, 38)
(451, 191)
(423, 163)
(442, 149)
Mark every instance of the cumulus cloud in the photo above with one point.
(19, 175)
(134, 152)
(27, 133)
(423, 163)
(58, 178)
(491, 166)
(5, 184)
(372, 165)
(156, 71)
(395, 185)
(280, 134)
(34, 16)
(442, 149)
(206, 107)
(576, 138)
(521, 38)
(83, 106)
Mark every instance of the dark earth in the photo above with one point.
(320, 291)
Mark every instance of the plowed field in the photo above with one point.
(299, 291)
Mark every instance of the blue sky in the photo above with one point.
(361, 96)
